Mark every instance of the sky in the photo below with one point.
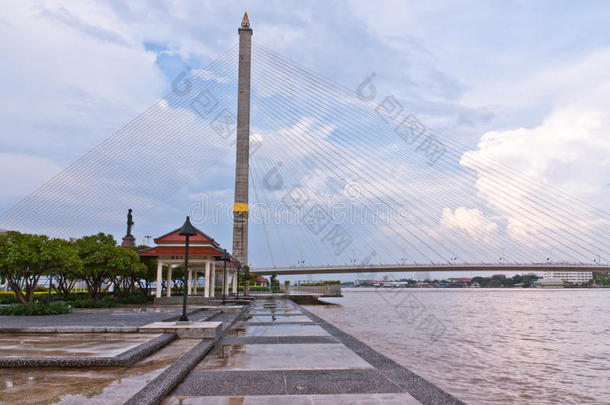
(522, 83)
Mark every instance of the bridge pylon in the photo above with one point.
(242, 163)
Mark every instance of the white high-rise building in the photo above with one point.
(575, 277)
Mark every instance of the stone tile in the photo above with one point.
(338, 382)
(319, 356)
(105, 385)
(273, 323)
(187, 330)
(275, 318)
(340, 399)
(70, 344)
(277, 313)
(218, 383)
(250, 340)
(92, 317)
(279, 330)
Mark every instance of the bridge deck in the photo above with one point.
(387, 268)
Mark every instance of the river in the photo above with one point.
(489, 346)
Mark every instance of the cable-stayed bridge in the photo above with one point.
(409, 268)
(327, 180)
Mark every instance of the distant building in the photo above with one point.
(262, 281)
(549, 283)
(460, 279)
(574, 277)
(364, 281)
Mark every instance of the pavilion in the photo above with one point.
(203, 255)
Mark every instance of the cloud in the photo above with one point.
(568, 150)
(472, 221)
(75, 72)
(70, 77)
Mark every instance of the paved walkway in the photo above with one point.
(120, 317)
(280, 353)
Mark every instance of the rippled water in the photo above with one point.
(500, 346)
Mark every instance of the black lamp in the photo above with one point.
(225, 258)
(187, 230)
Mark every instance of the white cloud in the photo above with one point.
(93, 68)
(472, 221)
(569, 150)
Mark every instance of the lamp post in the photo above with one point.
(187, 230)
(225, 258)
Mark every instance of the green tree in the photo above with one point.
(24, 258)
(149, 274)
(64, 265)
(245, 276)
(124, 269)
(97, 253)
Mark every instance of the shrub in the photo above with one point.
(7, 297)
(37, 308)
(101, 303)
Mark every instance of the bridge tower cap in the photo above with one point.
(245, 22)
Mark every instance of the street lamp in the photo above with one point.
(225, 258)
(187, 230)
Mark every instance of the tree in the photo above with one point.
(125, 269)
(24, 258)
(246, 277)
(64, 265)
(149, 274)
(97, 255)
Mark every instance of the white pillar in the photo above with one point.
(168, 293)
(194, 282)
(213, 281)
(159, 278)
(225, 283)
(189, 283)
(234, 282)
(206, 292)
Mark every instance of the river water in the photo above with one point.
(489, 346)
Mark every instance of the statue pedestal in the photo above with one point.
(129, 240)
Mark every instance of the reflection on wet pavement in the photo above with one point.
(70, 344)
(269, 357)
(278, 330)
(107, 385)
(275, 318)
(278, 357)
(341, 399)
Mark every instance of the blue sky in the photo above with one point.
(524, 83)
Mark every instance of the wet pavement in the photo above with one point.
(278, 354)
(122, 316)
(107, 385)
(275, 318)
(70, 344)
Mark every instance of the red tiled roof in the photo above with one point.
(173, 237)
(170, 250)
